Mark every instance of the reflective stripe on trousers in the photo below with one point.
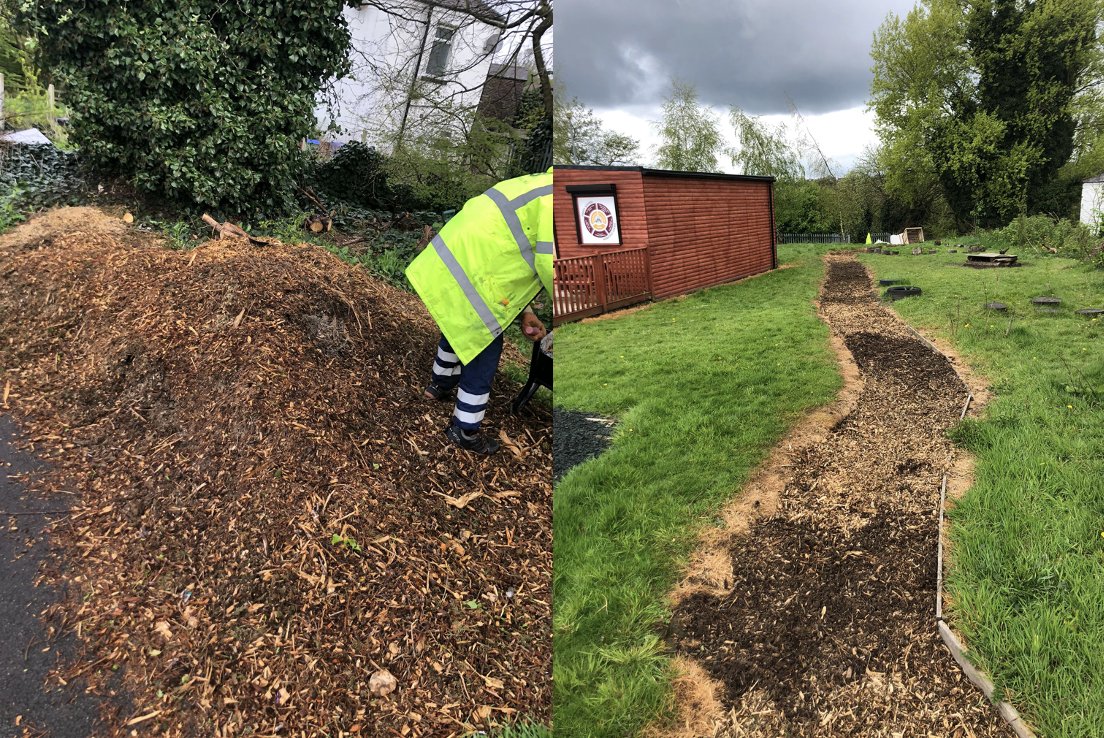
(474, 380)
(447, 364)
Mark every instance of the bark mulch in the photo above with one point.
(829, 628)
(265, 513)
(578, 437)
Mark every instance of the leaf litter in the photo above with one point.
(221, 418)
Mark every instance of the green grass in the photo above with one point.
(703, 387)
(525, 730)
(1027, 574)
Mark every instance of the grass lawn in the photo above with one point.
(702, 387)
(1027, 576)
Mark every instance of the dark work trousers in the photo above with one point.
(473, 378)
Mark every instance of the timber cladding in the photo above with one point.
(699, 229)
(629, 190)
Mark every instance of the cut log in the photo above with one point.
(318, 223)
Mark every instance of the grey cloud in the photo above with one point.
(751, 53)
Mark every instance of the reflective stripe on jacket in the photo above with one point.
(488, 262)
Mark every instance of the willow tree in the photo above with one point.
(690, 137)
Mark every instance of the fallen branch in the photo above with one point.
(230, 230)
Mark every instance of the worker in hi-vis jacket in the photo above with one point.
(476, 277)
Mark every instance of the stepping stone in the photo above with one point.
(998, 306)
(1091, 312)
(1047, 301)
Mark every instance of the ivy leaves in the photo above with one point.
(195, 100)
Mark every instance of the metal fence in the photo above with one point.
(814, 238)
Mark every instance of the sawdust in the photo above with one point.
(62, 221)
(265, 511)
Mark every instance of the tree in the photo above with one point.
(980, 96)
(197, 100)
(580, 138)
(764, 150)
(394, 70)
(689, 133)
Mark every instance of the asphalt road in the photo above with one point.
(25, 655)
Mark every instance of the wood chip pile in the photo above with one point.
(265, 515)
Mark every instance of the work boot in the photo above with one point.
(471, 440)
(434, 391)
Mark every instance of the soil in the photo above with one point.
(263, 510)
(578, 437)
(826, 627)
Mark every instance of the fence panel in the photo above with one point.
(814, 238)
(590, 285)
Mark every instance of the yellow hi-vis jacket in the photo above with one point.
(488, 262)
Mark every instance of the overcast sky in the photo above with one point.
(618, 57)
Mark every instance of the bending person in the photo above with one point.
(476, 277)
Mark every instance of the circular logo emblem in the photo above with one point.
(598, 220)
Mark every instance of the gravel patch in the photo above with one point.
(577, 437)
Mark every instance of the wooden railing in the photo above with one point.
(589, 285)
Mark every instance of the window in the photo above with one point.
(437, 66)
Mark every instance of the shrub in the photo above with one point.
(196, 100)
(1043, 234)
(434, 173)
(356, 174)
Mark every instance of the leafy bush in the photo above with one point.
(356, 174)
(196, 100)
(1043, 234)
(420, 177)
(9, 210)
(434, 173)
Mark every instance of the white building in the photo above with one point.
(1092, 202)
(410, 63)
